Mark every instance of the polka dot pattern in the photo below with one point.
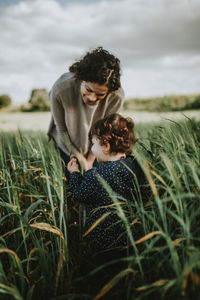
(88, 189)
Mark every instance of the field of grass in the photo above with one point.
(42, 253)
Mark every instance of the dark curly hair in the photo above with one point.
(117, 131)
(98, 66)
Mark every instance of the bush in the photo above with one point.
(39, 101)
(195, 104)
(5, 101)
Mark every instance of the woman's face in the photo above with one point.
(93, 92)
(99, 151)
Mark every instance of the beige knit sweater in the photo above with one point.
(72, 119)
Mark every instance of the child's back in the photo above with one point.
(124, 177)
(112, 140)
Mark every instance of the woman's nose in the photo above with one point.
(92, 97)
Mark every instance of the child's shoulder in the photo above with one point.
(106, 169)
(131, 163)
(113, 167)
(131, 160)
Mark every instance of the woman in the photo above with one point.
(89, 92)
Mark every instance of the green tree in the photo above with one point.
(5, 101)
(39, 100)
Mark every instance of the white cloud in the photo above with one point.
(157, 42)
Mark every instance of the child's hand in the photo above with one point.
(73, 166)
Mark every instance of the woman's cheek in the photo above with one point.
(92, 149)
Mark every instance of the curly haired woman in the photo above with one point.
(89, 92)
(113, 139)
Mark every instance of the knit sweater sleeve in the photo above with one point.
(116, 102)
(58, 113)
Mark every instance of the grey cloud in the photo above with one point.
(166, 33)
(41, 38)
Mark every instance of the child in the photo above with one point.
(112, 140)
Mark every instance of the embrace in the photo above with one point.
(88, 130)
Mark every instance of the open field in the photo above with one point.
(42, 252)
(40, 120)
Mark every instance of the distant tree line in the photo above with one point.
(38, 101)
(164, 103)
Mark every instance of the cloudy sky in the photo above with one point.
(157, 42)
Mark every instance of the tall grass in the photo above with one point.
(33, 223)
(163, 259)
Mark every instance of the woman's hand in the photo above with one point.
(86, 163)
(73, 166)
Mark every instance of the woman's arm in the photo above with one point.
(115, 102)
(58, 113)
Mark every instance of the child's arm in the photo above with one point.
(84, 188)
(87, 163)
(90, 161)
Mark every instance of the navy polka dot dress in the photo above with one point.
(121, 176)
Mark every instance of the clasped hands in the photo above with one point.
(86, 163)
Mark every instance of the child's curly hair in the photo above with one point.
(98, 66)
(117, 131)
